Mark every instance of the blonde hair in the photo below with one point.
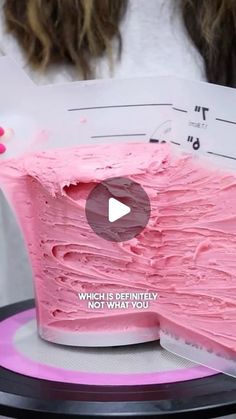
(76, 31)
(73, 31)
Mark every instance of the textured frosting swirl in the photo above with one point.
(186, 254)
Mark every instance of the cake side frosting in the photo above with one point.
(186, 254)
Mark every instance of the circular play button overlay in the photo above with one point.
(117, 209)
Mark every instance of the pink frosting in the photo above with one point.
(186, 254)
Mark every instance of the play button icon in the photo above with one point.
(117, 209)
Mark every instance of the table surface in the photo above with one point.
(26, 397)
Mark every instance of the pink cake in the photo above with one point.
(186, 254)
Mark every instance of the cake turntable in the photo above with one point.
(40, 378)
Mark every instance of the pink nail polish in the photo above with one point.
(2, 148)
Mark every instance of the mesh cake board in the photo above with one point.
(24, 395)
(24, 352)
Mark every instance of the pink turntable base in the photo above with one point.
(24, 352)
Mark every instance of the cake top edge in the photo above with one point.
(57, 168)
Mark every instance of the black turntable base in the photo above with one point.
(39, 386)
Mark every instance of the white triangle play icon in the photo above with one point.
(117, 210)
